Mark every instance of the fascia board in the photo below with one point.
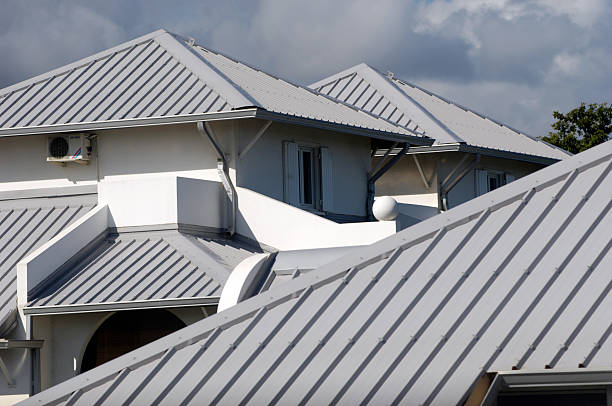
(343, 128)
(114, 306)
(135, 122)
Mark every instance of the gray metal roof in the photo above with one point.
(25, 225)
(164, 75)
(289, 265)
(519, 277)
(142, 269)
(420, 110)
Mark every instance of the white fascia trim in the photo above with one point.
(115, 306)
(35, 268)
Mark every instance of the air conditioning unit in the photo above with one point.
(68, 148)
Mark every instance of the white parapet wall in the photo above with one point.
(149, 201)
(285, 227)
(41, 263)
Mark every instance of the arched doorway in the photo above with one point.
(125, 331)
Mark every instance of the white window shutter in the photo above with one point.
(509, 178)
(481, 181)
(327, 180)
(291, 181)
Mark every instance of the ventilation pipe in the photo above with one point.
(223, 170)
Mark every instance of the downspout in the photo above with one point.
(448, 184)
(375, 176)
(223, 170)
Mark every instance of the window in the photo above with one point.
(488, 180)
(307, 176)
(308, 180)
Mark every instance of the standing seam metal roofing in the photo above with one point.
(164, 75)
(518, 277)
(25, 225)
(420, 110)
(142, 267)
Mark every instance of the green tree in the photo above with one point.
(581, 128)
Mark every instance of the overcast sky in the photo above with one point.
(516, 61)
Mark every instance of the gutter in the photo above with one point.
(470, 149)
(250, 112)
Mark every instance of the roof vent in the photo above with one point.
(191, 41)
(390, 74)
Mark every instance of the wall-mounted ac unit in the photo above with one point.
(68, 148)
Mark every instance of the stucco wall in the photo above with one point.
(182, 150)
(261, 169)
(18, 362)
(404, 182)
(466, 189)
(66, 337)
(172, 149)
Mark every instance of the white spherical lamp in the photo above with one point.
(385, 208)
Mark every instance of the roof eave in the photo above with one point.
(516, 156)
(254, 112)
(116, 306)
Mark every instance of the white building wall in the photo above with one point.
(18, 362)
(148, 151)
(261, 169)
(405, 184)
(181, 150)
(465, 189)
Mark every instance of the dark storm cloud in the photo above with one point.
(514, 60)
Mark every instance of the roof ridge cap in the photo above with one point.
(205, 71)
(387, 82)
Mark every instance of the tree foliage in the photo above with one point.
(581, 128)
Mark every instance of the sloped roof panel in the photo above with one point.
(277, 95)
(517, 278)
(162, 75)
(142, 267)
(25, 225)
(134, 80)
(417, 109)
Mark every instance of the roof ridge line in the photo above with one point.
(384, 80)
(80, 62)
(289, 82)
(344, 73)
(467, 109)
(224, 86)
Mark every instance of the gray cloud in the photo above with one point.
(514, 60)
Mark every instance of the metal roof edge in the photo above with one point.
(467, 109)
(115, 306)
(344, 128)
(127, 123)
(49, 192)
(234, 94)
(462, 147)
(83, 61)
